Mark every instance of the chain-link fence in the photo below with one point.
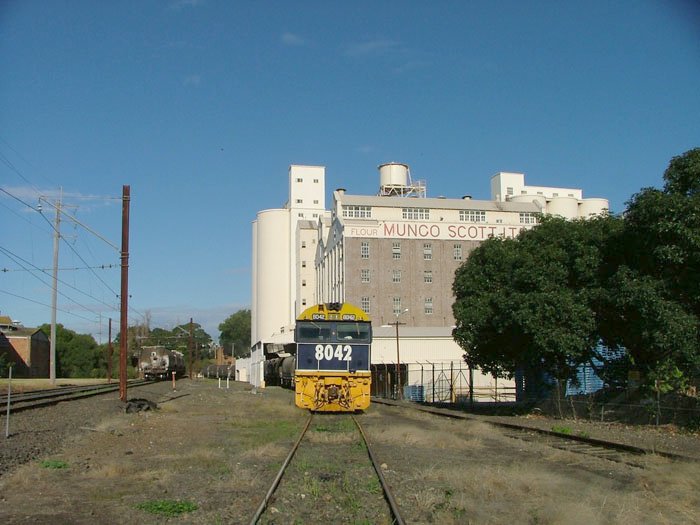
(627, 406)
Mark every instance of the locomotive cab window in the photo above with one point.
(359, 332)
(311, 332)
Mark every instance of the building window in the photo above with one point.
(299, 179)
(397, 305)
(315, 201)
(396, 250)
(364, 276)
(457, 252)
(299, 201)
(303, 244)
(303, 302)
(301, 215)
(316, 181)
(303, 264)
(396, 276)
(427, 251)
(509, 191)
(415, 213)
(364, 250)
(555, 195)
(303, 282)
(364, 304)
(472, 216)
(428, 276)
(528, 217)
(428, 306)
(357, 212)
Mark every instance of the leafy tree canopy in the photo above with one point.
(77, 355)
(652, 307)
(528, 303)
(235, 334)
(548, 299)
(662, 231)
(177, 339)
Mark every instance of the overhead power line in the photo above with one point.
(46, 305)
(17, 259)
(18, 199)
(76, 221)
(98, 267)
(80, 256)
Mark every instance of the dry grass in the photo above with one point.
(19, 385)
(264, 451)
(409, 435)
(531, 492)
(25, 479)
(332, 438)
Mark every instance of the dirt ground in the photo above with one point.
(208, 455)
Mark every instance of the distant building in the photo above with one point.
(27, 348)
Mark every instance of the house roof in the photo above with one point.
(20, 332)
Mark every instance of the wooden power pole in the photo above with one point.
(123, 321)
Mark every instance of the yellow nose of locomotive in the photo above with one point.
(332, 393)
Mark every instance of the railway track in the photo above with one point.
(51, 396)
(331, 487)
(579, 444)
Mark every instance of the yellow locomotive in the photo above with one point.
(332, 372)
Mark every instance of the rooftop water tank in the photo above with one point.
(393, 174)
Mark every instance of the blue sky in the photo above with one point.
(201, 105)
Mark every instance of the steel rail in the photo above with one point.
(278, 478)
(39, 398)
(388, 495)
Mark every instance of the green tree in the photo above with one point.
(201, 341)
(662, 231)
(77, 355)
(530, 303)
(235, 334)
(652, 307)
(548, 299)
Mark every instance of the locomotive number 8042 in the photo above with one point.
(333, 344)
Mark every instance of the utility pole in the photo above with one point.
(123, 321)
(109, 352)
(399, 393)
(54, 292)
(189, 349)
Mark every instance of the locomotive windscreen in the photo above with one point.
(311, 332)
(358, 332)
(337, 346)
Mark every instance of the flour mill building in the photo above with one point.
(394, 254)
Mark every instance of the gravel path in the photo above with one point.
(35, 434)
